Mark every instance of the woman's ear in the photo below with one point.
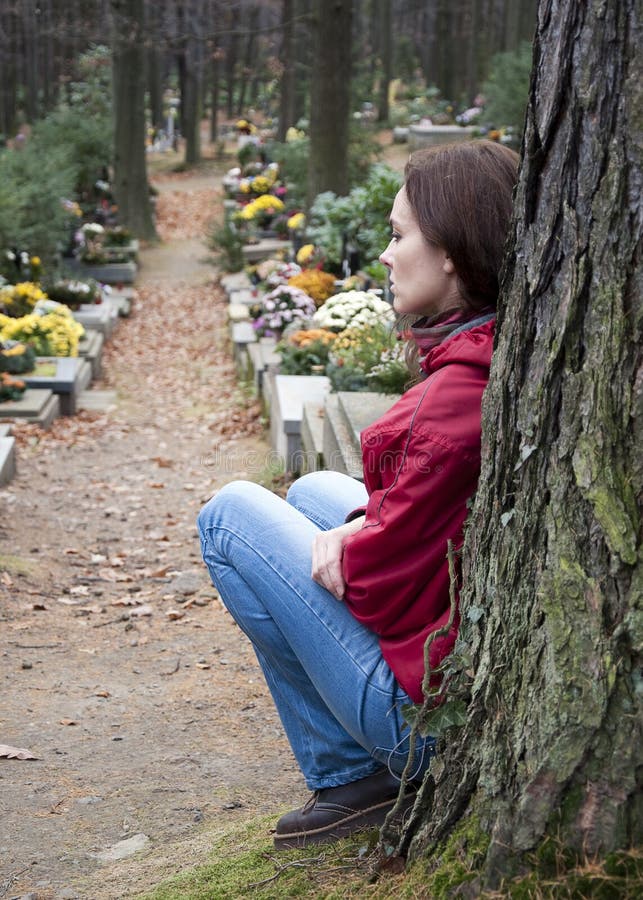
(447, 266)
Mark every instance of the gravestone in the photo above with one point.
(73, 374)
(288, 394)
(431, 135)
(7, 455)
(90, 347)
(38, 406)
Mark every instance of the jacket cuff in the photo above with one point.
(355, 514)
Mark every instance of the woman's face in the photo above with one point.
(423, 278)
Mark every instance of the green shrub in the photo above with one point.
(362, 216)
(507, 88)
(62, 158)
(226, 241)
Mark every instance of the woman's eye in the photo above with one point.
(395, 236)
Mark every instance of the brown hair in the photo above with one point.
(462, 197)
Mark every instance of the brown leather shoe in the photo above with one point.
(332, 813)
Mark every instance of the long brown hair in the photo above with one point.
(462, 197)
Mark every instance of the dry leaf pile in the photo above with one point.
(186, 214)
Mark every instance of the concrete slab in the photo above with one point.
(247, 296)
(362, 408)
(7, 459)
(312, 436)
(238, 312)
(73, 375)
(263, 249)
(99, 317)
(262, 358)
(39, 406)
(286, 412)
(339, 449)
(90, 348)
(235, 281)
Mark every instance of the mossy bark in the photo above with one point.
(552, 602)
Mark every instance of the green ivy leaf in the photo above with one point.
(452, 714)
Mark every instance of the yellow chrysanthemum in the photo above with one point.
(297, 221)
(305, 253)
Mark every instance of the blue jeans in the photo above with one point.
(336, 696)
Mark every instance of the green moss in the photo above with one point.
(459, 861)
(16, 565)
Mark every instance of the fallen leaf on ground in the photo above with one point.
(174, 614)
(68, 722)
(7, 752)
(162, 463)
(145, 610)
(155, 484)
(6, 579)
(102, 694)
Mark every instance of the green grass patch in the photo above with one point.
(16, 565)
(45, 370)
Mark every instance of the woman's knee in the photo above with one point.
(314, 486)
(236, 499)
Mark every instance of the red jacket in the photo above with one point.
(421, 465)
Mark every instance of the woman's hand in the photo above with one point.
(328, 550)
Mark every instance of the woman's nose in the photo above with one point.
(385, 258)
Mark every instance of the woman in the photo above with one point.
(340, 672)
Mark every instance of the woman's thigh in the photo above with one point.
(326, 498)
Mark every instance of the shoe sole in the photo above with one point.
(373, 817)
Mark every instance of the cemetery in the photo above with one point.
(192, 297)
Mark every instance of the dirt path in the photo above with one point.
(120, 670)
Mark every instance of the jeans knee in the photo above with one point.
(235, 495)
(308, 487)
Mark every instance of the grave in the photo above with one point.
(120, 299)
(7, 455)
(430, 135)
(347, 413)
(90, 347)
(107, 273)
(71, 376)
(263, 249)
(235, 281)
(97, 316)
(312, 436)
(288, 393)
(39, 406)
(242, 334)
(262, 357)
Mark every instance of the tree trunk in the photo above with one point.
(551, 610)
(384, 12)
(214, 95)
(287, 81)
(130, 167)
(330, 98)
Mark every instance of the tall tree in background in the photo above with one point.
(330, 97)
(287, 60)
(130, 167)
(383, 10)
(551, 614)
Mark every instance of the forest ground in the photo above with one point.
(121, 671)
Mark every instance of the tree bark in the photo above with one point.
(384, 11)
(287, 80)
(551, 607)
(130, 167)
(330, 98)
